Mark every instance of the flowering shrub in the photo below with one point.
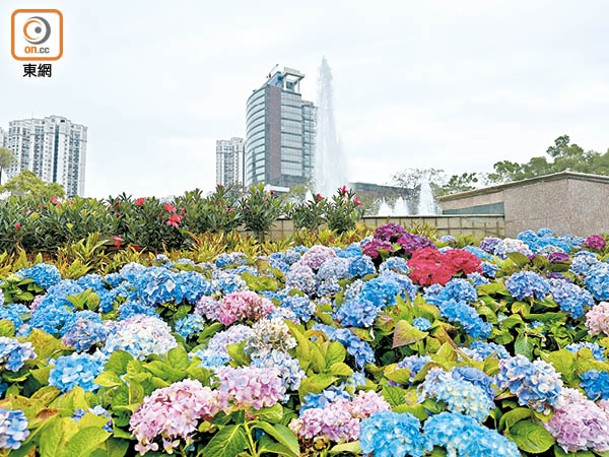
(391, 345)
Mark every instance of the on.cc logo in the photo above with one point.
(37, 30)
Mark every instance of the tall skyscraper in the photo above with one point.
(54, 148)
(280, 132)
(229, 162)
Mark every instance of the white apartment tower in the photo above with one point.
(54, 148)
(229, 162)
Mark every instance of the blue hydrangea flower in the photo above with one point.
(84, 331)
(472, 323)
(353, 250)
(301, 277)
(480, 350)
(456, 289)
(536, 384)
(480, 253)
(288, 367)
(408, 288)
(357, 313)
(582, 262)
(476, 377)
(489, 269)
(325, 398)
(459, 394)
(133, 308)
(302, 307)
(526, 284)
(13, 354)
(192, 324)
(76, 369)
(13, 429)
(14, 312)
(597, 350)
(395, 264)
(361, 266)
(43, 274)
(464, 437)
(597, 281)
(421, 323)
(333, 268)
(477, 279)
(360, 350)
(216, 354)
(414, 364)
(389, 434)
(571, 298)
(596, 384)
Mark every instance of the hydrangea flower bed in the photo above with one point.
(397, 345)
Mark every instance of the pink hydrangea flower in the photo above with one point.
(244, 305)
(597, 319)
(249, 387)
(315, 256)
(339, 421)
(173, 414)
(579, 424)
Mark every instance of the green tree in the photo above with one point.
(460, 183)
(563, 155)
(28, 184)
(7, 158)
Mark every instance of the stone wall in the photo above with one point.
(480, 226)
(566, 202)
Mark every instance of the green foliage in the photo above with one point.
(259, 210)
(28, 184)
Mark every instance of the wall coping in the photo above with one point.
(564, 175)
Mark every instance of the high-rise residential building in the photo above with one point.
(54, 148)
(280, 132)
(2, 137)
(229, 162)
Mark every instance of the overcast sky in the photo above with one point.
(449, 84)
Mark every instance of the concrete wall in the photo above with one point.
(566, 203)
(481, 226)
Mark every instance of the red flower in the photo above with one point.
(137, 247)
(17, 226)
(343, 190)
(118, 241)
(357, 202)
(169, 208)
(462, 260)
(319, 197)
(140, 201)
(174, 220)
(272, 192)
(54, 200)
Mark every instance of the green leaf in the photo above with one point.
(519, 259)
(178, 358)
(228, 442)
(564, 361)
(7, 328)
(513, 416)
(531, 437)
(85, 441)
(118, 361)
(274, 414)
(394, 395)
(282, 434)
(108, 379)
(315, 384)
(352, 448)
(237, 353)
(524, 346)
(406, 334)
(54, 436)
(340, 369)
(335, 353)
